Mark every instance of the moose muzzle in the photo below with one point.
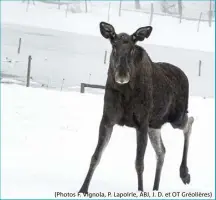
(122, 75)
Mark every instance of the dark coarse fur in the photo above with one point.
(143, 95)
(158, 93)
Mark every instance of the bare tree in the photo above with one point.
(86, 6)
(137, 4)
(168, 7)
(28, 1)
(180, 9)
(59, 4)
(164, 6)
(210, 13)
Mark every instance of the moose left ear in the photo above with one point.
(142, 33)
(107, 30)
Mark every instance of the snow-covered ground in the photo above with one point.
(48, 137)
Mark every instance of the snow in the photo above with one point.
(48, 137)
(167, 30)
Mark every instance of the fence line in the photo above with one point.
(180, 15)
(164, 14)
(84, 85)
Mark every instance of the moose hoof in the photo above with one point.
(185, 176)
(83, 191)
(186, 179)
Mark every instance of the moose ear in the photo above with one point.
(107, 30)
(142, 33)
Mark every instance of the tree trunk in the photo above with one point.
(180, 9)
(210, 13)
(137, 4)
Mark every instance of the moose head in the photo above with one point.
(123, 50)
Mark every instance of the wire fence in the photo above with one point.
(189, 10)
(59, 70)
(179, 9)
(62, 62)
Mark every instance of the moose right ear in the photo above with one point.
(107, 30)
(142, 33)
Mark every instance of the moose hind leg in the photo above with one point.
(157, 143)
(105, 132)
(186, 126)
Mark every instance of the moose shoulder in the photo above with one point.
(144, 95)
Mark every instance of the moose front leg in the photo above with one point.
(105, 132)
(157, 143)
(142, 139)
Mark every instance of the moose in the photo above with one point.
(144, 95)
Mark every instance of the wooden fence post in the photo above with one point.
(59, 4)
(28, 71)
(105, 57)
(66, 11)
(120, 4)
(83, 85)
(48, 82)
(108, 16)
(62, 84)
(199, 69)
(210, 13)
(27, 7)
(82, 88)
(137, 4)
(180, 10)
(152, 12)
(86, 6)
(89, 78)
(199, 22)
(20, 41)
